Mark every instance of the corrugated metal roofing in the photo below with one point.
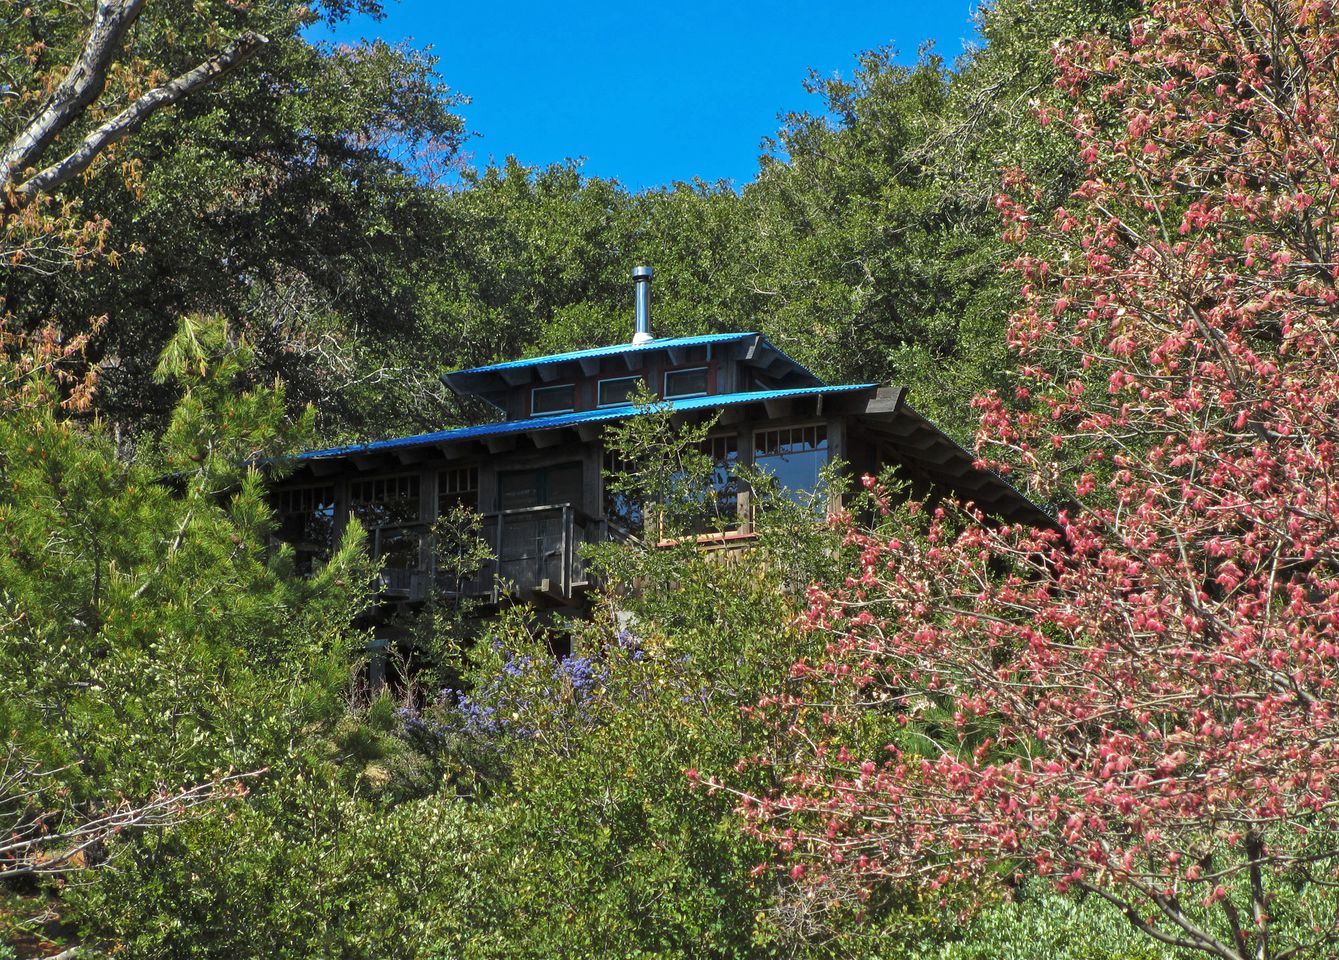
(573, 419)
(618, 348)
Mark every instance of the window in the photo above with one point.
(614, 393)
(385, 501)
(457, 488)
(307, 521)
(686, 383)
(724, 453)
(712, 510)
(793, 455)
(389, 508)
(398, 548)
(545, 486)
(457, 562)
(623, 512)
(559, 399)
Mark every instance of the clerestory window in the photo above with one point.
(616, 391)
(550, 400)
(691, 382)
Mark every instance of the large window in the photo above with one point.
(458, 530)
(615, 392)
(547, 400)
(385, 501)
(556, 484)
(389, 508)
(457, 488)
(398, 548)
(306, 518)
(711, 510)
(724, 452)
(685, 383)
(624, 512)
(793, 455)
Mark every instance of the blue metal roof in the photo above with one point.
(616, 349)
(504, 427)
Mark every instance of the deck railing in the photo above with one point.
(536, 552)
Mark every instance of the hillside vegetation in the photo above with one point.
(1101, 244)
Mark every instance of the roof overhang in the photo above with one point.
(916, 444)
(494, 382)
(925, 450)
(587, 423)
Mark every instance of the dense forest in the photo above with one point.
(1099, 246)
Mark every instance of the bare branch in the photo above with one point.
(81, 87)
(32, 848)
(130, 119)
(1190, 942)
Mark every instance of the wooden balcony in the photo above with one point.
(536, 555)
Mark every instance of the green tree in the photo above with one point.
(304, 870)
(293, 194)
(153, 640)
(875, 243)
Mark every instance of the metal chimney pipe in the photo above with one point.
(641, 280)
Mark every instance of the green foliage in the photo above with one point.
(586, 773)
(431, 638)
(665, 480)
(151, 636)
(293, 195)
(534, 260)
(874, 235)
(602, 846)
(303, 870)
(1042, 924)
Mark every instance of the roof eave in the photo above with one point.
(923, 446)
(564, 421)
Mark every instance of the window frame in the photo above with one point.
(818, 429)
(415, 480)
(466, 493)
(283, 498)
(599, 388)
(553, 386)
(307, 551)
(705, 369)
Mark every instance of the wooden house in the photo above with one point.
(537, 474)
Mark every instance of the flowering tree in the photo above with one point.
(1143, 704)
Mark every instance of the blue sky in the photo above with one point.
(650, 93)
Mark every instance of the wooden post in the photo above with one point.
(565, 554)
(745, 459)
(573, 545)
(592, 479)
(427, 513)
(497, 557)
(342, 507)
(836, 428)
(376, 665)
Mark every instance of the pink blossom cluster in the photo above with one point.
(1144, 702)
